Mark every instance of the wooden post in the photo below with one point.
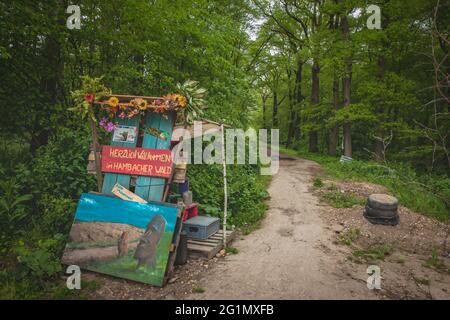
(225, 189)
(96, 147)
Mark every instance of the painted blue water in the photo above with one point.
(98, 208)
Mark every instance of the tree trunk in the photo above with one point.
(264, 101)
(346, 87)
(315, 100)
(334, 133)
(291, 123)
(298, 99)
(346, 83)
(275, 110)
(379, 147)
(49, 87)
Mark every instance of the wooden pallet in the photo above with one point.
(208, 248)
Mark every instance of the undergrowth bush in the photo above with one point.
(246, 192)
(424, 193)
(37, 205)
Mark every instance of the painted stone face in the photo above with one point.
(147, 247)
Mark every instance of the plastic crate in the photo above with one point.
(201, 227)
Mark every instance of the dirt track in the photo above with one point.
(295, 254)
(292, 255)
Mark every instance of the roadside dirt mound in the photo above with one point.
(101, 232)
(362, 189)
(415, 233)
(417, 264)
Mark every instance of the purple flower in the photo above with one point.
(107, 125)
(103, 122)
(110, 127)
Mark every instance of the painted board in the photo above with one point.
(110, 179)
(137, 161)
(122, 238)
(151, 188)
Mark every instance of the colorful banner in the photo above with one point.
(137, 161)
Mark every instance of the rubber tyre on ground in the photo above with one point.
(382, 202)
(383, 217)
(382, 214)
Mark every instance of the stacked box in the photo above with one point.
(201, 227)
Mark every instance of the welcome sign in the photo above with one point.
(137, 161)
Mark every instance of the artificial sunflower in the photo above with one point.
(140, 103)
(113, 102)
(181, 101)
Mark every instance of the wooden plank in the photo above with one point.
(206, 244)
(143, 183)
(151, 188)
(208, 248)
(157, 188)
(110, 179)
(125, 194)
(203, 241)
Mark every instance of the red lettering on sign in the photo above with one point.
(137, 161)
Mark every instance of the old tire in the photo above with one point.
(385, 217)
(386, 222)
(382, 214)
(382, 202)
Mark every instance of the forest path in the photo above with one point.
(291, 256)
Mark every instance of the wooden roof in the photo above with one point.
(128, 98)
(207, 126)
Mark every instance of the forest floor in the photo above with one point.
(305, 249)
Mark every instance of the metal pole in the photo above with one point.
(225, 189)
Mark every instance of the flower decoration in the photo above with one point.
(113, 102)
(132, 113)
(107, 125)
(139, 103)
(188, 102)
(181, 100)
(89, 98)
(160, 109)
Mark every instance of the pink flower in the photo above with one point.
(122, 115)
